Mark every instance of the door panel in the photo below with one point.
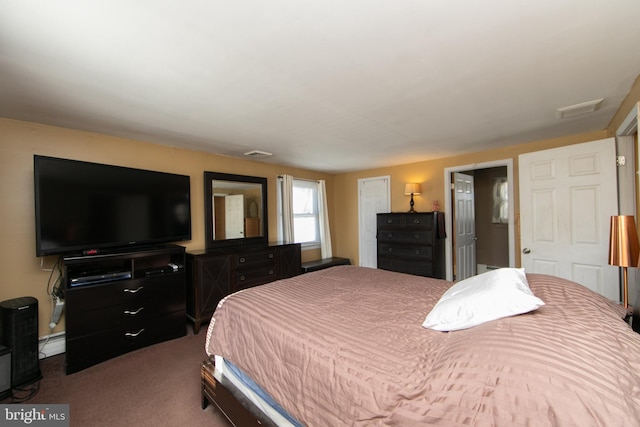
(234, 216)
(465, 232)
(567, 196)
(373, 199)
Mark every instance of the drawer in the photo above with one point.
(255, 258)
(404, 235)
(390, 220)
(133, 292)
(87, 350)
(405, 220)
(401, 266)
(249, 278)
(122, 315)
(424, 252)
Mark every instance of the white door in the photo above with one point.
(567, 196)
(374, 196)
(465, 226)
(234, 216)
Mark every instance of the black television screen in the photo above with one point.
(82, 206)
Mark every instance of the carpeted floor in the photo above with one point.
(154, 386)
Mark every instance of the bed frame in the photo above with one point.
(231, 403)
(635, 315)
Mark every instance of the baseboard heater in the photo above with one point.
(51, 345)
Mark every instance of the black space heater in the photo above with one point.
(19, 332)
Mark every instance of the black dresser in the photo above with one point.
(214, 274)
(117, 302)
(412, 243)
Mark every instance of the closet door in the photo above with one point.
(567, 196)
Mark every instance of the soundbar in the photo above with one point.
(100, 278)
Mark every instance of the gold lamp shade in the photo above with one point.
(623, 247)
(411, 188)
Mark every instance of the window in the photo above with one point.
(500, 201)
(302, 214)
(306, 224)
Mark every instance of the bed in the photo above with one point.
(347, 346)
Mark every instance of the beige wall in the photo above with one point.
(19, 141)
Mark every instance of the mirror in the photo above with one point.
(235, 210)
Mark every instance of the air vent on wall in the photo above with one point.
(577, 109)
(257, 154)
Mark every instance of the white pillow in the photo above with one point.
(493, 295)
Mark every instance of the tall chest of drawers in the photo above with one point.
(412, 243)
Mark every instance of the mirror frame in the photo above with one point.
(210, 242)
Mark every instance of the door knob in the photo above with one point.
(526, 251)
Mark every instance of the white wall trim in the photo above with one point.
(630, 124)
(51, 345)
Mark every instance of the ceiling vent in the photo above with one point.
(577, 109)
(257, 154)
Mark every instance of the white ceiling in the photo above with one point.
(329, 85)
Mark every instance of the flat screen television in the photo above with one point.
(84, 207)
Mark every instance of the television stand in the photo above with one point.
(121, 301)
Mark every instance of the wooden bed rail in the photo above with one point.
(232, 404)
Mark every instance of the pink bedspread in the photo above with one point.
(345, 346)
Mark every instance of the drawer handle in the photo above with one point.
(390, 250)
(418, 251)
(133, 313)
(416, 221)
(242, 259)
(389, 234)
(134, 334)
(270, 272)
(134, 291)
(270, 255)
(417, 236)
(242, 277)
(389, 221)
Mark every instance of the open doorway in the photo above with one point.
(494, 235)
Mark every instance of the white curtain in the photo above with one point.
(285, 205)
(323, 218)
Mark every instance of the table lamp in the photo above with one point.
(411, 188)
(623, 248)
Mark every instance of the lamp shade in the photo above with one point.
(412, 188)
(623, 241)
